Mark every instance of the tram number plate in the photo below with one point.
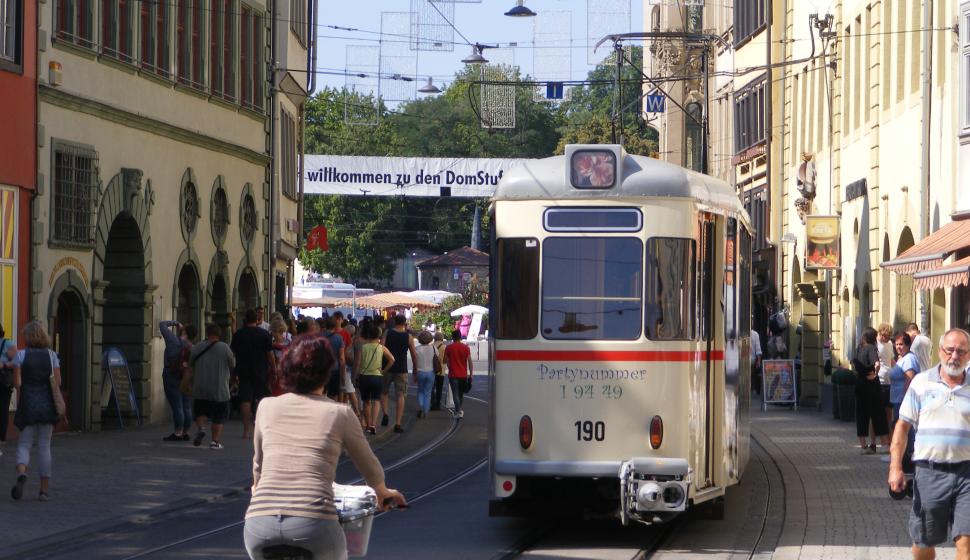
(604, 391)
(589, 430)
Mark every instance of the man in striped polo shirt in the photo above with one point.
(937, 404)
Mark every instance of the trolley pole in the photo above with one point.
(705, 121)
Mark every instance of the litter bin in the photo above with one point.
(355, 506)
(843, 392)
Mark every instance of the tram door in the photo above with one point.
(706, 256)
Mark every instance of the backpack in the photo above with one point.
(178, 365)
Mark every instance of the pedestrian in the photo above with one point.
(8, 350)
(933, 405)
(441, 373)
(262, 323)
(281, 340)
(902, 373)
(339, 362)
(885, 348)
(253, 349)
(922, 346)
(460, 370)
(756, 355)
(375, 361)
(868, 395)
(401, 344)
(178, 347)
(298, 442)
(349, 379)
(427, 364)
(36, 413)
(776, 349)
(211, 362)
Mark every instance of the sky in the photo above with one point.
(559, 54)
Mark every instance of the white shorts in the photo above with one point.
(346, 385)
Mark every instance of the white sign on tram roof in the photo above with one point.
(394, 176)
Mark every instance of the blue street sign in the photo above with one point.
(554, 90)
(656, 102)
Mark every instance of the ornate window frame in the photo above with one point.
(219, 216)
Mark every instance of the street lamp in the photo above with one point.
(520, 10)
(476, 56)
(429, 87)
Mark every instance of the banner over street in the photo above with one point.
(395, 176)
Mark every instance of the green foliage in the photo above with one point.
(476, 293)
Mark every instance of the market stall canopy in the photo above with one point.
(390, 299)
(470, 310)
(946, 276)
(930, 252)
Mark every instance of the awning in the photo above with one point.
(316, 301)
(930, 252)
(390, 299)
(948, 276)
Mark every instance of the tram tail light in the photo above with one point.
(656, 432)
(525, 432)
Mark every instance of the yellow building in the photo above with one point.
(169, 187)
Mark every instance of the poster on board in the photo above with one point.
(822, 251)
(778, 380)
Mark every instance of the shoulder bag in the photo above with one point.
(59, 405)
(188, 374)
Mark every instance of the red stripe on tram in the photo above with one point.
(606, 355)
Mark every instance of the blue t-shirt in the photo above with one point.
(897, 377)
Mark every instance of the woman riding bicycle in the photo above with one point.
(297, 443)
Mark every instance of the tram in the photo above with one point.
(620, 341)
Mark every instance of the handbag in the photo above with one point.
(59, 405)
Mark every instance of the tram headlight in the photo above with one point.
(656, 432)
(525, 432)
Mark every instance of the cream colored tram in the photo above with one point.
(620, 347)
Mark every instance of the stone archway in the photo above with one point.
(122, 280)
(69, 326)
(247, 291)
(187, 292)
(905, 291)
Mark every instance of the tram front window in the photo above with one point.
(592, 288)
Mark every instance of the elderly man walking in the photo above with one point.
(937, 404)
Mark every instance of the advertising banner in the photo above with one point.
(778, 381)
(822, 251)
(395, 176)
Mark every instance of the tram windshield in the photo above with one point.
(592, 288)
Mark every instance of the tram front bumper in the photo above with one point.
(652, 486)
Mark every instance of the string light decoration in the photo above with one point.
(498, 99)
(398, 66)
(431, 25)
(362, 64)
(554, 65)
(605, 17)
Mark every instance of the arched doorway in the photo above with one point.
(123, 310)
(219, 306)
(188, 305)
(70, 342)
(905, 294)
(247, 293)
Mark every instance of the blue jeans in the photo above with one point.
(322, 537)
(457, 393)
(181, 404)
(425, 383)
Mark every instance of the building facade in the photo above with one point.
(161, 177)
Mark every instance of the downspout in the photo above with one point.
(273, 167)
(926, 109)
(774, 203)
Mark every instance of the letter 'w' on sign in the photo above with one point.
(655, 103)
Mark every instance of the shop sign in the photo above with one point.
(855, 189)
(822, 251)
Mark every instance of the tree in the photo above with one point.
(327, 132)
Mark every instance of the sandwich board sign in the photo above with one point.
(116, 373)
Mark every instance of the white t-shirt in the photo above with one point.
(755, 346)
(922, 347)
(425, 353)
(885, 350)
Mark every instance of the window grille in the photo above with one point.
(220, 215)
(248, 219)
(75, 187)
(190, 207)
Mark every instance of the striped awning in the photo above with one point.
(930, 252)
(315, 301)
(388, 300)
(948, 276)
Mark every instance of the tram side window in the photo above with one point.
(730, 281)
(517, 290)
(670, 299)
(591, 288)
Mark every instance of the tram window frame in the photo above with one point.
(580, 175)
(516, 289)
(744, 282)
(705, 276)
(652, 266)
(549, 215)
(731, 281)
(554, 332)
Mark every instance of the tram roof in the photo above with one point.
(642, 176)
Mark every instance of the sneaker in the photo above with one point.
(17, 491)
(215, 445)
(385, 420)
(198, 439)
(43, 496)
(371, 431)
(172, 437)
(185, 437)
(461, 413)
(398, 429)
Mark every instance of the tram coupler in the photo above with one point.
(651, 487)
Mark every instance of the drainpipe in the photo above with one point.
(273, 167)
(926, 108)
